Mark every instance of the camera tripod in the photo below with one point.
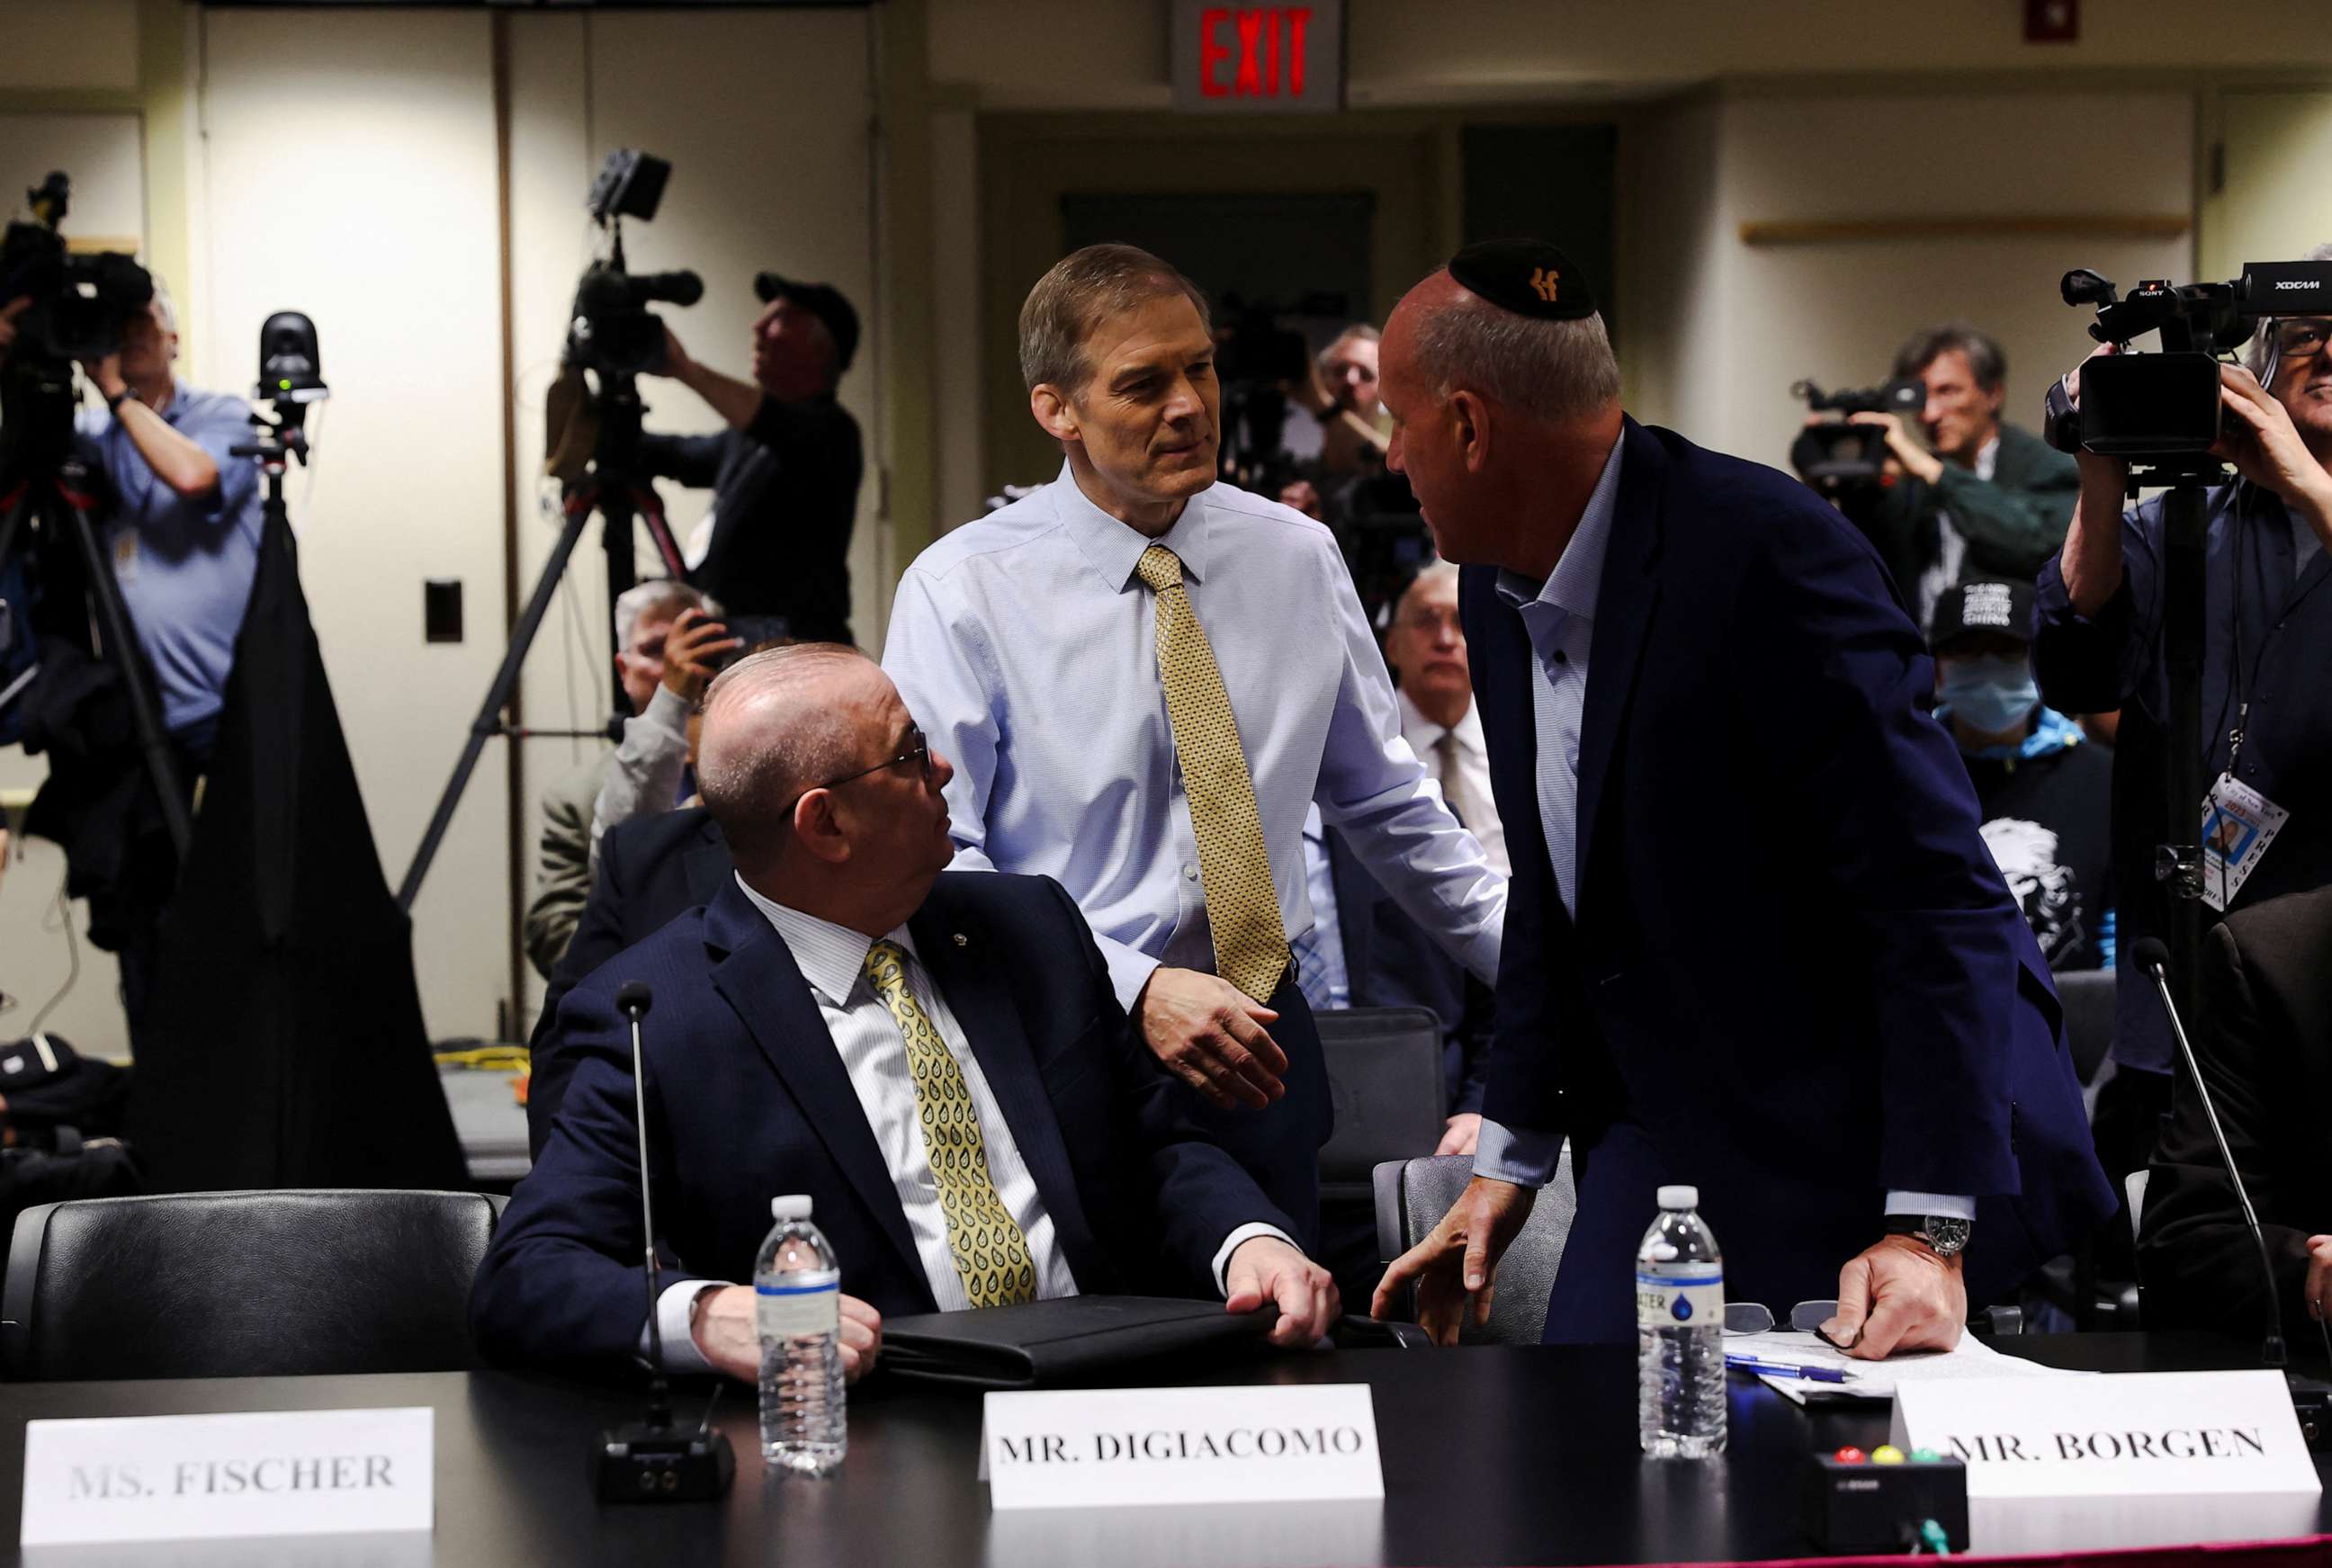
(613, 490)
(2178, 860)
(53, 491)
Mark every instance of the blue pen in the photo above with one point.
(1812, 1374)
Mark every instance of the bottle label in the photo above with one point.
(1693, 1298)
(787, 1311)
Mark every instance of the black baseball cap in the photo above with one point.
(823, 300)
(1984, 604)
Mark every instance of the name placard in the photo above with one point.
(193, 1478)
(1110, 1447)
(2123, 1460)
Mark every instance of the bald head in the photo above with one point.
(1452, 339)
(779, 722)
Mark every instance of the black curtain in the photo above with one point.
(285, 1043)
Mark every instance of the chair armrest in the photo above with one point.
(1354, 1332)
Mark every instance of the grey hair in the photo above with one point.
(751, 771)
(2255, 352)
(165, 306)
(1434, 573)
(1358, 332)
(1986, 362)
(1556, 370)
(661, 595)
(1082, 290)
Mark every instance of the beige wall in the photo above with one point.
(1112, 53)
(72, 45)
(1749, 321)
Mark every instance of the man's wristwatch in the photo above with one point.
(113, 403)
(1945, 1235)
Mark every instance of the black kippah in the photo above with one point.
(1528, 277)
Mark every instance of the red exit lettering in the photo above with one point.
(1270, 51)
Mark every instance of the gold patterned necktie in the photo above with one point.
(991, 1256)
(1235, 870)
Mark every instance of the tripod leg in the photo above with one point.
(488, 723)
(2185, 519)
(615, 523)
(122, 650)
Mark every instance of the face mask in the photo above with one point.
(1988, 694)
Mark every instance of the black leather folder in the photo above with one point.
(1040, 1342)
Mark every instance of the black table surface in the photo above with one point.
(1491, 1457)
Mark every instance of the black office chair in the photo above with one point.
(244, 1284)
(1384, 1080)
(2088, 997)
(1411, 1197)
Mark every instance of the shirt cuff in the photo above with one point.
(681, 1355)
(1516, 1154)
(1231, 1244)
(668, 710)
(1129, 970)
(1949, 1205)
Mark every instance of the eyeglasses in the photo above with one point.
(1757, 1317)
(918, 749)
(1429, 620)
(2301, 339)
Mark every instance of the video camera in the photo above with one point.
(81, 306)
(2161, 412)
(611, 329)
(1839, 459)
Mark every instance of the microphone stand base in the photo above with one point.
(645, 1462)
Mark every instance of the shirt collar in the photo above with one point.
(1113, 550)
(1572, 587)
(1422, 732)
(832, 958)
(1987, 459)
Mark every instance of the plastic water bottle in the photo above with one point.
(798, 1307)
(1679, 1333)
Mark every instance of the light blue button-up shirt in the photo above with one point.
(1025, 648)
(186, 565)
(1559, 616)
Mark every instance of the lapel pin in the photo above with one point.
(961, 939)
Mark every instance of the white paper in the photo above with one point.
(193, 1478)
(1877, 1380)
(1113, 1447)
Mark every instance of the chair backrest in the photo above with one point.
(244, 1284)
(1384, 1079)
(1412, 1195)
(2087, 999)
(2134, 1187)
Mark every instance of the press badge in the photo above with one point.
(2238, 824)
(125, 556)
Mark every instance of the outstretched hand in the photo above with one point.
(1455, 1269)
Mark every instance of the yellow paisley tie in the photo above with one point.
(991, 1256)
(1243, 908)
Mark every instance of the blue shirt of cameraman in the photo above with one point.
(186, 565)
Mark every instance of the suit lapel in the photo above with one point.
(966, 961)
(1504, 666)
(1624, 602)
(764, 987)
(708, 867)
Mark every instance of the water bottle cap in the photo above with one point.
(1679, 1197)
(795, 1207)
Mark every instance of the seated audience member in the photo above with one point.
(838, 987)
(644, 615)
(2045, 791)
(1980, 497)
(2264, 1042)
(651, 870)
(654, 764)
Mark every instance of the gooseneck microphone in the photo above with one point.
(649, 1461)
(2153, 958)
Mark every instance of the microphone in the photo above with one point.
(649, 1461)
(2311, 1400)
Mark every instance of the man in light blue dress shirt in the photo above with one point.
(1026, 645)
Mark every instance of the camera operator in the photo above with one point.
(182, 521)
(785, 474)
(1981, 497)
(2268, 641)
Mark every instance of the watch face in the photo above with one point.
(1946, 1235)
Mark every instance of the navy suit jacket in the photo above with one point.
(1390, 961)
(651, 868)
(747, 1100)
(1796, 967)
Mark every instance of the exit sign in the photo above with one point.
(1258, 59)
